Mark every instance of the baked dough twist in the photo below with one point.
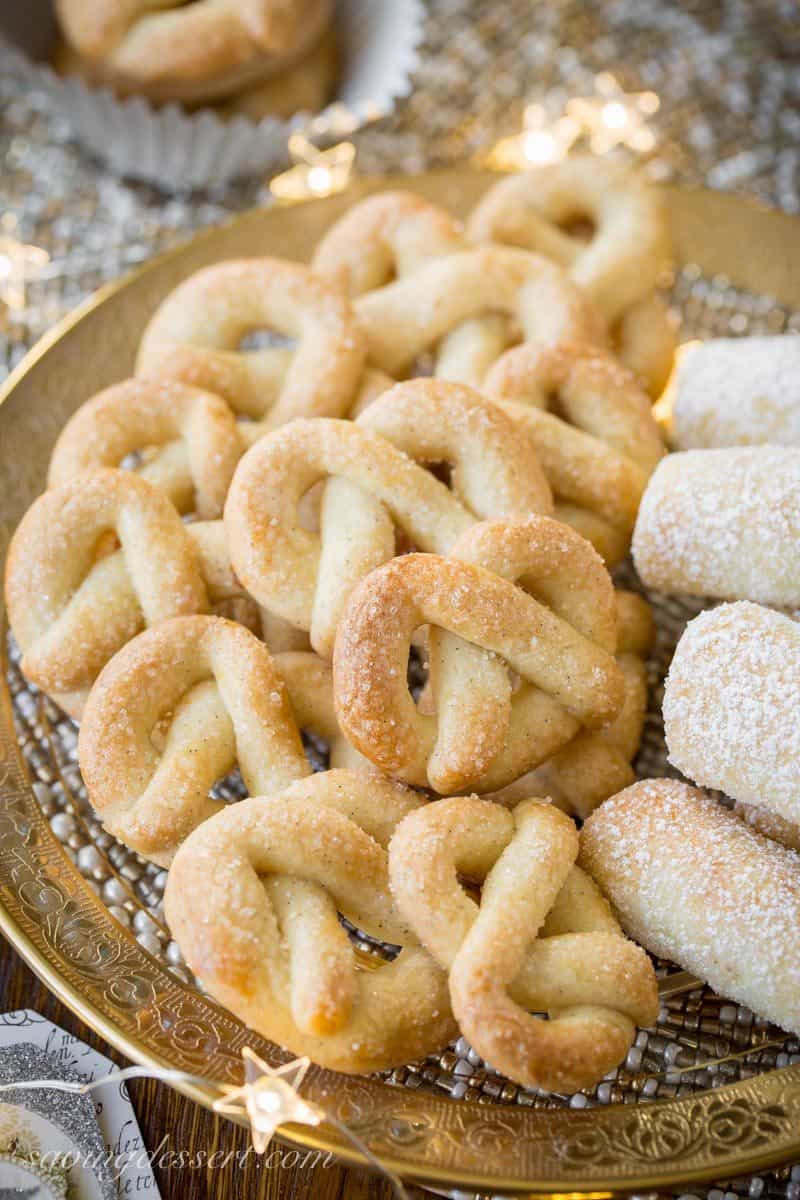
(172, 713)
(487, 735)
(731, 703)
(696, 885)
(594, 984)
(194, 335)
(413, 314)
(618, 267)
(391, 235)
(600, 445)
(596, 765)
(394, 235)
(384, 237)
(189, 52)
(188, 441)
(72, 603)
(252, 900)
(723, 523)
(305, 577)
(480, 732)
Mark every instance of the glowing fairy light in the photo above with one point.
(270, 1098)
(315, 172)
(603, 121)
(612, 117)
(19, 264)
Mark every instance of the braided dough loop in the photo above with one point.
(630, 249)
(488, 735)
(494, 466)
(194, 334)
(57, 586)
(595, 985)
(596, 765)
(191, 51)
(306, 578)
(278, 560)
(109, 601)
(574, 680)
(413, 314)
(603, 445)
(172, 713)
(191, 436)
(392, 235)
(384, 237)
(252, 898)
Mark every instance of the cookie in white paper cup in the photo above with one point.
(180, 149)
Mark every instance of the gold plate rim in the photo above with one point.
(736, 1129)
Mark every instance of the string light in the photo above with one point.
(19, 263)
(269, 1097)
(542, 141)
(609, 118)
(315, 172)
(612, 117)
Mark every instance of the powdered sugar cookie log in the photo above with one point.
(694, 884)
(723, 523)
(737, 392)
(731, 706)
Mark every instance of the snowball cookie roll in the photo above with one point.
(723, 523)
(692, 883)
(735, 392)
(732, 706)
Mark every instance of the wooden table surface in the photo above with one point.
(162, 1113)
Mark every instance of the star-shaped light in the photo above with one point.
(612, 117)
(316, 172)
(542, 140)
(19, 263)
(269, 1097)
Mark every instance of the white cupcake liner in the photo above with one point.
(179, 150)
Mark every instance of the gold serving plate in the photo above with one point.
(127, 993)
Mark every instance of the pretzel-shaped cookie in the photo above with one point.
(252, 900)
(479, 733)
(413, 314)
(596, 765)
(70, 608)
(600, 450)
(191, 51)
(306, 577)
(489, 735)
(173, 712)
(618, 267)
(630, 247)
(190, 439)
(392, 235)
(194, 334)
(385, 237)
(595, 985)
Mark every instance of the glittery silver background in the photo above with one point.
(728, 76)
